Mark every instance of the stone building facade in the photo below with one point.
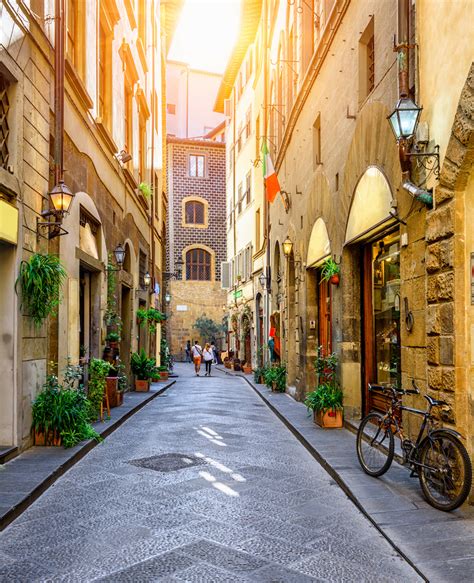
(403, 309)
(196, 235)
(112, 106)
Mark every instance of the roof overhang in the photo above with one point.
(250, 13)
(172, 11)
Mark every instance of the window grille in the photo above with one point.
(4, 128)
(194, 213)
(198, 265)
(196, 165)
(86, 219)
(370, 64)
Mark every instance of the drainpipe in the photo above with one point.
(266, 319)
(59, 11)
(402, 47)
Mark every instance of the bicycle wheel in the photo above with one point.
(446, 479)
(375, 445)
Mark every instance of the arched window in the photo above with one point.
(194, 213)
(198, 265)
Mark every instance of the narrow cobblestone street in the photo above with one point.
(223, 505)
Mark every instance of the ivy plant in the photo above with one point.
(150, 317)
(40, 282)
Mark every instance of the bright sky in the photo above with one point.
(206, 33)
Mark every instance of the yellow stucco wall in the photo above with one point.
(446, 51)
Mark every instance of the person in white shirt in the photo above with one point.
(208, 356)
(196, 351)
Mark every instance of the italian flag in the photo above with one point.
(272, 186)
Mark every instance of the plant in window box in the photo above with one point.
(330, 271)
(145, 189)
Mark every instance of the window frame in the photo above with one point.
(195, 199)
(205, 253)
(197, 155)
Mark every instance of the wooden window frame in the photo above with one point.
(205, 261)
(197, 155)
(195, 199)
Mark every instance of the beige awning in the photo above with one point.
(319, 246)
(371, 205)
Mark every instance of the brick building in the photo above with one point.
(196, 237)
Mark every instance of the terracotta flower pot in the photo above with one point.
(334, 279)
(330, 419)
(54, 439)
(142, 386)
(164, 375)
(247, 369)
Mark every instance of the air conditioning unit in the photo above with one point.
(226, 267)
(227, 108)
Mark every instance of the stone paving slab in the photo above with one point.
(25, 477)
(259, 507)
(439, 544)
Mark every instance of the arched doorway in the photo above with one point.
(259, 330)
(291, 325)
(371, 228)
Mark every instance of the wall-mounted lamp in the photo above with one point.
(61, 199)
(167, 297)
(262, 279)
(287, 247)
(175, 274)
(147, 279)
(119, 253)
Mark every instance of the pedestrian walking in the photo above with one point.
(208, 356)
(196, 351)
(188, 351)
(215, 359)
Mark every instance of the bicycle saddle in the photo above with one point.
(435, 402)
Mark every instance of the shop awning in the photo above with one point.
(319, 246)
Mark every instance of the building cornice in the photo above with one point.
(195, 142)
(249, 23)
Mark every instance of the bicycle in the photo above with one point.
(438, 458)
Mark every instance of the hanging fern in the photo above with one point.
(40, 281)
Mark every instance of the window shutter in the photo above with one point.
(225, 275)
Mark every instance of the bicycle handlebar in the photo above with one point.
(394, 390)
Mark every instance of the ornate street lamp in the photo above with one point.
(404, 118)
(167, 297)
(119, 255)
(147, 279)
(61, 198)
(287, 247)
(262, 279)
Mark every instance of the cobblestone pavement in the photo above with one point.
(204, 484)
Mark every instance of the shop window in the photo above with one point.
(194, 213)
(75, 25)
(248, 188)
(196, 165)
(128, 117)
(142, 149)
(381, 302)
(198, 265)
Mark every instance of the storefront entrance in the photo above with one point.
(324, 315)
(381, 317)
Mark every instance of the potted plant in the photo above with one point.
(143, 369)
(330, 271)
(247, 367)
(275, 378)
(113, 338)
(326, 404)
(163, 372)
(145, 189)
(227, 362)
(61, 412)
(258, 374)
(326, 401)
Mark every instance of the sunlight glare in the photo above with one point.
(206, 33)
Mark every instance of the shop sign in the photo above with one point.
(238, 294)
(8, 223)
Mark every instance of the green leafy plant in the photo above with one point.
(98, 372)
(145, 189)
(122, 377)
(328, 269)
(40, 282)
(165, 356)
(62, 411)
(111, 315)
(208, 328)
(151, 317)
(328, 396)
(113, 337)
(275, 375)
(142, 366)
